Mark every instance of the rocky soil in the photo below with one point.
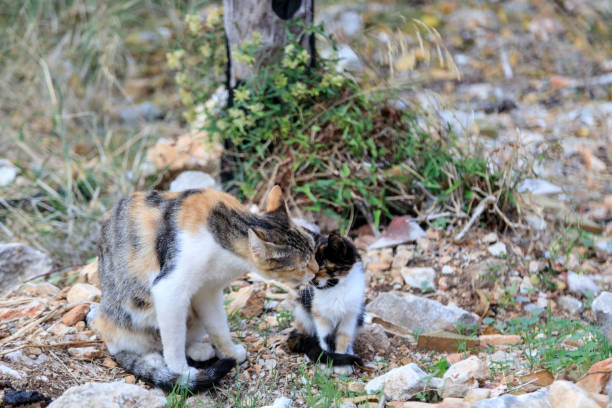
(511, 314)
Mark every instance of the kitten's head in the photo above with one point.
(335, 256)
(280, 249)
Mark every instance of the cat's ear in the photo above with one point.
(260, 247)
(274, 200)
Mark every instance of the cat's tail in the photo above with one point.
(309, 345)
(152, 369)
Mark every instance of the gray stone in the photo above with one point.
(19, 262)
(582, 284)
(602, 309)
(110, 395)
(570, 304)
(420, 278)
(411, 313)
(193, 179)
(538, 399)
(8, 172)
(399, 384)
(143, 111)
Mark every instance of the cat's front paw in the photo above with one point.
(186, 372)
(200, 351)
(237, 352)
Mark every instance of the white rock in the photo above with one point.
(110, 395)
(270, 364)
(464, 375)
(490, 238)
(564, 394)
(193, 179)
(602, 309)
(350, 22)
(477, 394)
(412, 313)
(281, 402)
(83, 292)
(6, 370)
(536, 222)
(538, 399)
(420, 278)
(399, 384)
(19, 262)
(447, 270)
(348, 59)
(8, 172)
(497, 249)
(538, 186)
(582, 284)
(570, 304)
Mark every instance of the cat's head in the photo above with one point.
(279, 248)
(335, 256)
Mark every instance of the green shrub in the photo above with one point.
(332, 146)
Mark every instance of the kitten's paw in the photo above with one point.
(189, 375)
(200, 351)
(344, 370)
(238, 353)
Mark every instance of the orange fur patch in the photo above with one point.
(196, 208)
(143, 263)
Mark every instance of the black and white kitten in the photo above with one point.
(330, 308)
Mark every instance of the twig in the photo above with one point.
(55, 345)
(484, 203)
(25, 329)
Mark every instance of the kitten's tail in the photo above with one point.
(152, 369)
(309, 345)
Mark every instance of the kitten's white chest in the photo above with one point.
(346, 297)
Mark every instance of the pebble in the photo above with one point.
(8, 172)
(281, 402)
(76, 314)
(420, 278)
(602, 309)
(19, 262)
(570, 304)
(498, 249)
(463, 375)
(6, 370)
(83, 292)
(582, 284)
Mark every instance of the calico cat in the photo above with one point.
(164, 261)
(330, 308)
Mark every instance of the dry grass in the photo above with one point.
(64, 68)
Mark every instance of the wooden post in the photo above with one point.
(242, 18)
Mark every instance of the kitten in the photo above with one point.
(330, 308)
(164, 261)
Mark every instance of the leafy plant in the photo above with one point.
(559, 344)
(334, 147)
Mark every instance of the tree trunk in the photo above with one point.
(242, 18)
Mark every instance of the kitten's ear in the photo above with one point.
(274, 199)
(336, 244)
